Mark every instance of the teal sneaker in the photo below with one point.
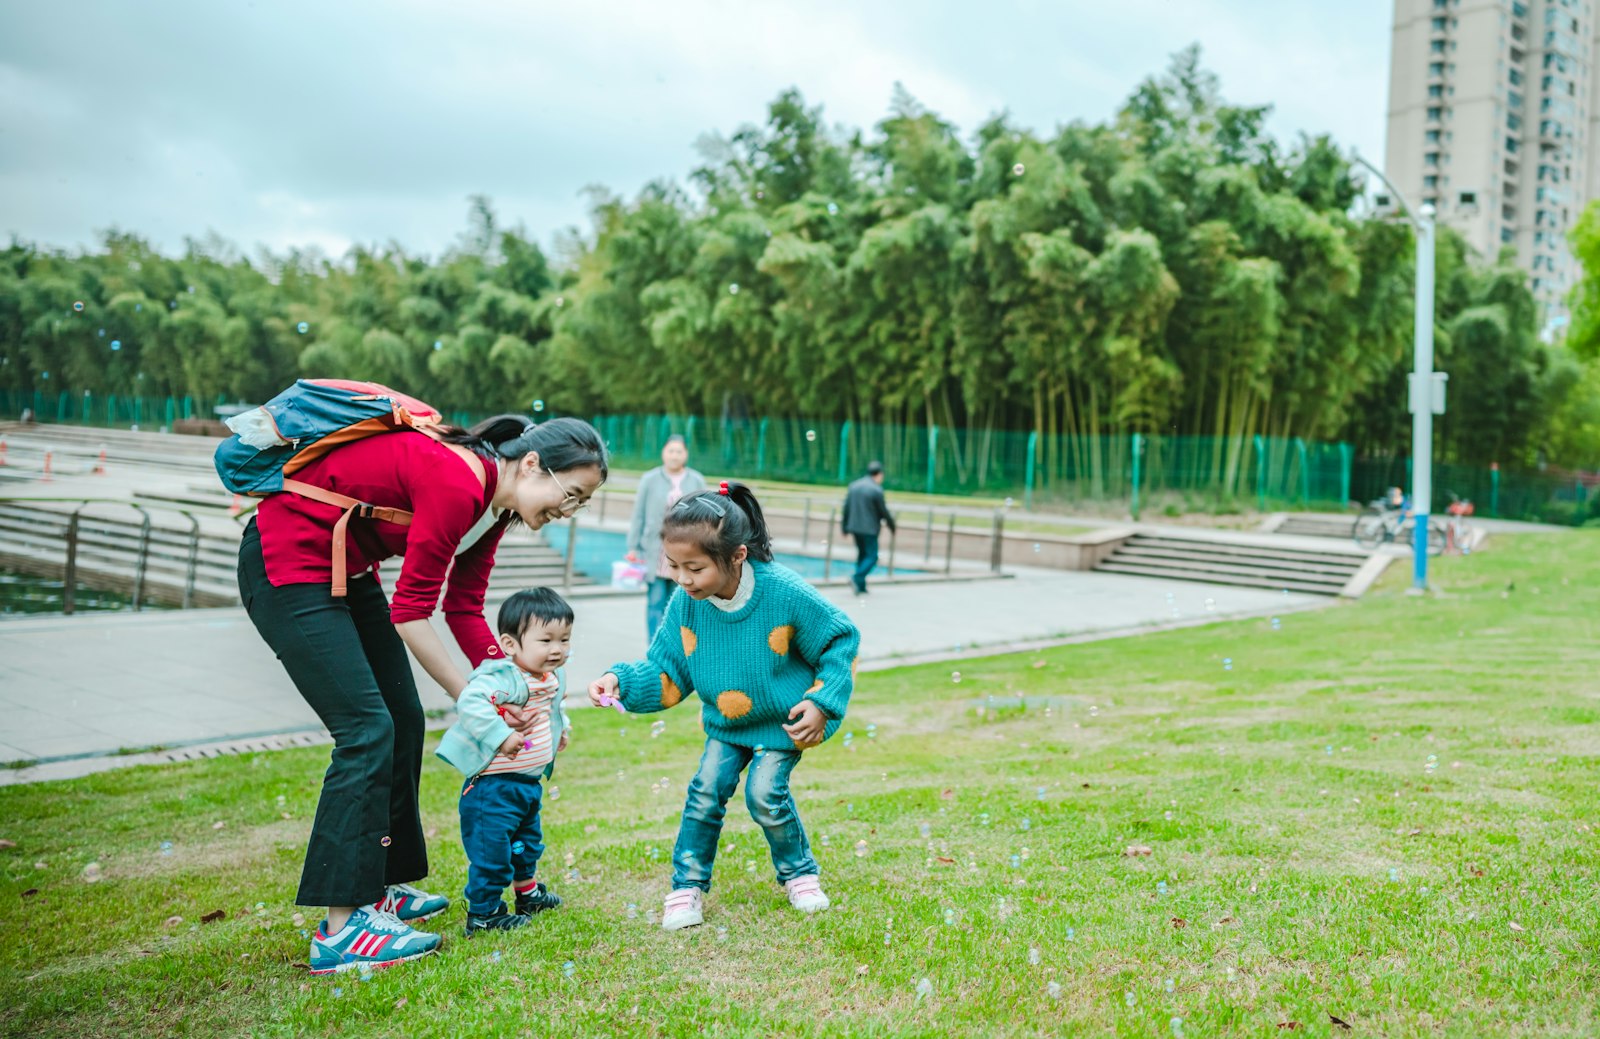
(411, 904)
(370, 940)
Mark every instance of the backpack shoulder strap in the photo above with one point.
(354, 507)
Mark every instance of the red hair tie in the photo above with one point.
(723, 490)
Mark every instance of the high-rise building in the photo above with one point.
(1492, 118)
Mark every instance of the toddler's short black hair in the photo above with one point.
(544, 605)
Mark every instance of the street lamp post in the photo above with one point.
(1425, 393)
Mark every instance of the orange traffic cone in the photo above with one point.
(100, 466)
(46, 478)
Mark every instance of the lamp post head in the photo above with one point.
(1426, 212)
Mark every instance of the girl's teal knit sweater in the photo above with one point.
(752, 666)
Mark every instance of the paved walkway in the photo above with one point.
(76, 689)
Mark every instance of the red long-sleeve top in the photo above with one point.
(402, 470)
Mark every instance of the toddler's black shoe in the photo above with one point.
(499, 920)
(537, 900)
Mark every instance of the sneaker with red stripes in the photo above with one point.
(411, 904)
(370, 938)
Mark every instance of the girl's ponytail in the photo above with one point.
(758, 540)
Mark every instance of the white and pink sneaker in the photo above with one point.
(683, 909)
(805, 893)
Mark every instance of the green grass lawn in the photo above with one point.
(1384, 811)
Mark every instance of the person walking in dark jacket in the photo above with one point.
(865, 511)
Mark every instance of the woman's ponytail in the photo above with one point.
(562, 443)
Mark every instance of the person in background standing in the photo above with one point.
(659, 490)
(865, 511)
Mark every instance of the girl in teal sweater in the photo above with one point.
(773, 663)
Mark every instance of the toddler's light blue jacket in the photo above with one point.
(472, 742)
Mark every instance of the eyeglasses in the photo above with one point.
(570, 504)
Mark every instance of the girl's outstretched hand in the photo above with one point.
(807, 731)
(603, 691)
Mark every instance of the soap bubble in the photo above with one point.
(1071, 934)
(1016, 861)
(116, 344)
(1161, 887)
(166, 847)
(1394, 876)
(733, 290)
(811, 434)
(1018, 170)
(1277, 624)
(861, 849)
(1170, 985)
(825, 840)
(101, 334)
(955, 676)
(1027, 824)
(1036, 546)
(632, 910)
(364, 972)
(1038, 793)
(925, 830)
(569, 968)
(1053, 990)
(722, 934)
(337, 992)
(1211, 605)
(833, 208)
(495, 956)
(949, 916)
(1033, 955)
(1128, 998)
(1177, 1027)
(924, 989)
(1227, 663)
(78, 306)
(872, 732)
(438, 344)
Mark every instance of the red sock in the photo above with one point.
(524, 886)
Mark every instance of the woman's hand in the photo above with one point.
(603, 690)
(807, 731)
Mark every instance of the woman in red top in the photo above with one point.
(347, 655)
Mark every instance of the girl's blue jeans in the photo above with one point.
(766, 793)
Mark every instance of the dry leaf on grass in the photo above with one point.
(1337, 1022)
(400, 1002)
(1135, 850)
(946, 860)
(1038, 663)
(1517, 927)
(30, 892)
(7, 844)
(1179, 922)
(947, 793)
(861, 969)
(213, 916)
(1288, 1026)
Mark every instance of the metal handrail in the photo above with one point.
(142, 555)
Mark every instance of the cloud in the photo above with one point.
(293, 122)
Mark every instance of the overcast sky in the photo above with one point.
(282, 122)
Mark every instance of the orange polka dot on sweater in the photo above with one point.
(779, 639)
(670, 693)
(689, 641)
(733, 704)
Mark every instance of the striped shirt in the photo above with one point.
(539, 748)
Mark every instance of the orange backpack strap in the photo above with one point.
(355, 507)
(351, 507)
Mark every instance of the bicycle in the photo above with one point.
(1458, 530)
(1380, 524)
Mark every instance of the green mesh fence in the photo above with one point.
(1144, 471)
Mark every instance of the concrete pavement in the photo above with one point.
(79, 693)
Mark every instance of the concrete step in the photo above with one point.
(1254, 562)
(1341, 527)
(1157, 553)
(1209, 577)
